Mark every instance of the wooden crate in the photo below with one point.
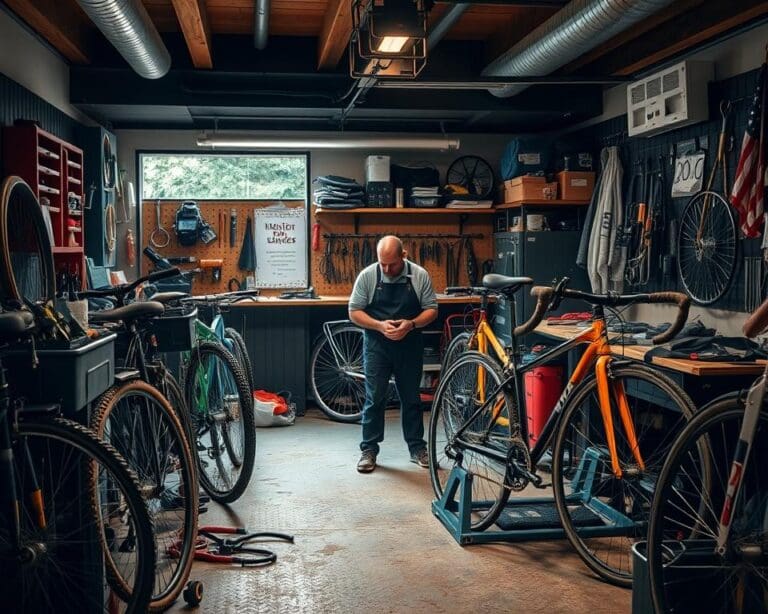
(528, 188)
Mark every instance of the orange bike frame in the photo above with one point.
(597, 356)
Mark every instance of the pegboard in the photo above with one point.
(381, 224)
(661, 149)
(219, 248)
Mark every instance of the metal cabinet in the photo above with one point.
(544, 256)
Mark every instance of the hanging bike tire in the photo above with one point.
(707, 247)
(26, 256)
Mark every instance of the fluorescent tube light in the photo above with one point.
(372, 143)
(392, 44)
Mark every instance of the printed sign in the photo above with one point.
(281, 247)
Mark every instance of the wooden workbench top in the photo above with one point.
(638, 352)
(272, 301)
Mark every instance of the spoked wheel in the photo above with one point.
(686, 572)
(339, 388)
(472, 173)
(707, 247)
(221, 414)
(473, 379)
(603, 513)
(139, 422)
(93, 512)
(457, 346)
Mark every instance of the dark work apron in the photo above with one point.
(397, 301)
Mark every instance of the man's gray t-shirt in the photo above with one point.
(365, 286)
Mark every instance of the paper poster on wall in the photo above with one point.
(280, 235)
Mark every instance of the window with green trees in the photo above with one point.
(224, 176)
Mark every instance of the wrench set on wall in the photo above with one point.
(345, 255)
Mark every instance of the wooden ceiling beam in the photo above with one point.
(334, 37)
(60, 23)
(193, 18)
(677, 35)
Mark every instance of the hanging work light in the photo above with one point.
(389, 38)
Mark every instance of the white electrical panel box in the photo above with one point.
(669, 99)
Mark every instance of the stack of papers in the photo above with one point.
(469, 204)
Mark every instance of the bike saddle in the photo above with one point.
(14, 323)
(502, 283)
(134, 311)
(167, 297)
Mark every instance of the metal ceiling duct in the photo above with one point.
(261, 23)
(576, 29)
(126, 24)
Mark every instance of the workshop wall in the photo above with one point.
(659, 151)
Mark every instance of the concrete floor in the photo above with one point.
(369, 543)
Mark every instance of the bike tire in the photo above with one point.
(706, 267)
(62, 440)
(457, 346)
(240, 352)
(141, 424)
(602, 515)
(226, 478)
(338, 393)
(686, 573)
(454, 402)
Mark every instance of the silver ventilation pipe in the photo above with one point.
(126, 24)
(577, 28)
(260, 23)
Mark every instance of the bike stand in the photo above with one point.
(523, 519)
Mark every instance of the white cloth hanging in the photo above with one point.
(606, 259)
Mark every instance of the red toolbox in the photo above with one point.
(543, 386)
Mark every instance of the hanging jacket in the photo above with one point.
(606, 260)
(581, 256)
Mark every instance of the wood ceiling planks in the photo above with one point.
(193, 18)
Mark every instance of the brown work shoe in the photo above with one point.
(421, 458)
(367, 462)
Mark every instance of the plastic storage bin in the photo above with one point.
(72, 377)
(543, 386)
(175, 330)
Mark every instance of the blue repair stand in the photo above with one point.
(536, 517)
(454, 509)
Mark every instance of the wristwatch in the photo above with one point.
(414, 324)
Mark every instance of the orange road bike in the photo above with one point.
(603, 445)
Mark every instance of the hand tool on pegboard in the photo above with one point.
(159, 236)
(233, 227)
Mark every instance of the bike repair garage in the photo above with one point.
(383, 305)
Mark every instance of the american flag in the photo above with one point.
(747, 196)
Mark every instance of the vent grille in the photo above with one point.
(653, 87)
(671, 81)
(638, 93)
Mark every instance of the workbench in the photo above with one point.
(700, 379)
(280, 335)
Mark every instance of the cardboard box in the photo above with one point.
(527, 188)
(576, 185)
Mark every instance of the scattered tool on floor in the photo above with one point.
(213, 548)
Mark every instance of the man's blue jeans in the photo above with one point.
(403, 359)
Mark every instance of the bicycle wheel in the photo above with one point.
(706, 250)
(339, 389)
(603, 515)
(240, 352)
(142, 426)
(458, 395)
(457, 346)
(61, 566)
(26, 257)
(221, 413)
(686, 573)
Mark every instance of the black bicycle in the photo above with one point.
(70, 509)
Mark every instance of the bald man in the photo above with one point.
(392, 300)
